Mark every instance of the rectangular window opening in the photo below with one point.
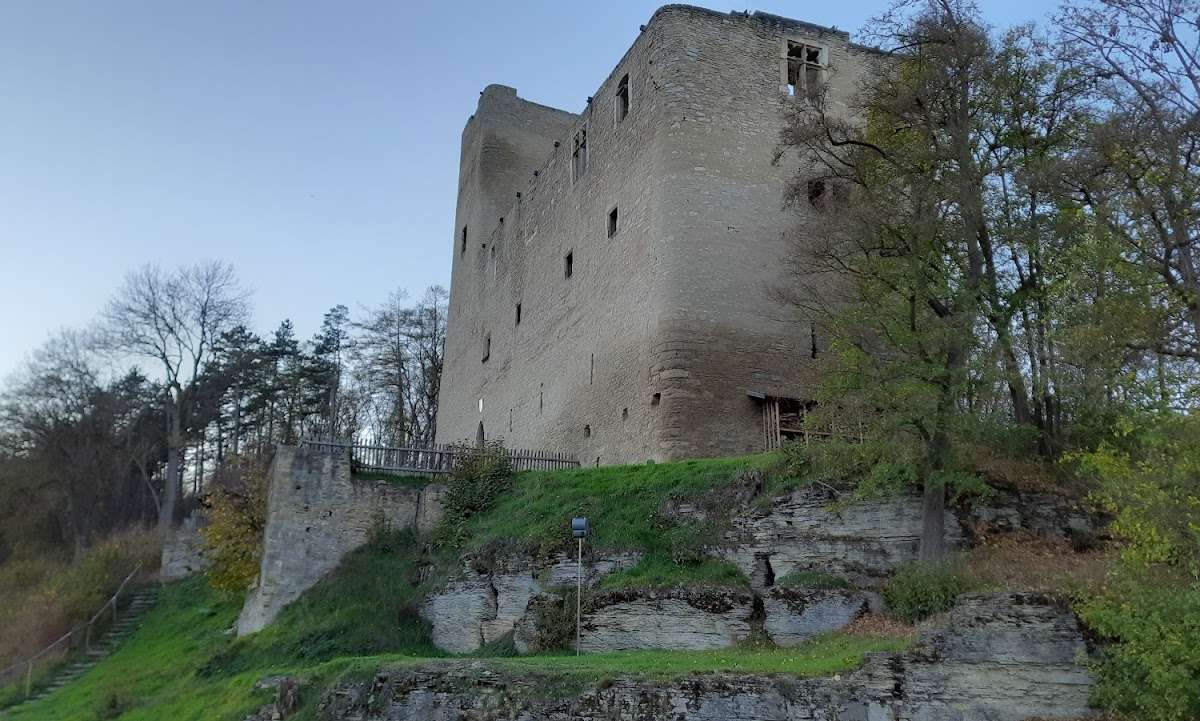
(612, 222)
(569, 265)
(622, 104)
(805, 70)
(579, 154)
(463, 248)
(487, 347)
(518, 314)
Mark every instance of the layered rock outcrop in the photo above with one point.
(1002, 657)
(807, 530)
(677, 618)
(479, 607)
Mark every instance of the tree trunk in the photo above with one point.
(933, 522)
(237, 422)
(171, 484)
(933, 497)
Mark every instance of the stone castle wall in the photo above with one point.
(183, 551)
(650, 348)
(316, 514)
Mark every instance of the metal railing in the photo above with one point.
(433, 460)
(85, 628)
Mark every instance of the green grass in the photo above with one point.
(184, 665)
(164, 670)
(656, 571)
(822, 656)
(624, 503)
(154, 674)
(367, 606)
(813, 579)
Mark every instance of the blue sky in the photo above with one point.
(314, 145)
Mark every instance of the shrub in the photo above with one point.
(920, 590)
(113, 703)
(554, 623)
(1149, 608)
(1150, 669)
(480, 476)
(233, 538)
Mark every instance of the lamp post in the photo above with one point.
(580, 529)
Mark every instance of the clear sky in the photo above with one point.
(313, 144)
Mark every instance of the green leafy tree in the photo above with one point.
(1150, 605)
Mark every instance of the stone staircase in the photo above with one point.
(128, 620)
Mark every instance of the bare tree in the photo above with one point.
(174, 318)
(1143, 181)
(399, 355)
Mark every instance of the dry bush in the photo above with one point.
(1023, 561)
(42, 596)
(233, 539)
(1002, 470)
(879, 625)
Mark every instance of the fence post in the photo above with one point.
(29, 679)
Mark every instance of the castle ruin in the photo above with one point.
(611, 293)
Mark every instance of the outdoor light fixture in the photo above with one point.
(580, 530)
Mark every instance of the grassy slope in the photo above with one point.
(625, 505)
(182, 664)
(165, 671)
(154, 673)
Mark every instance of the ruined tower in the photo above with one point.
(611, 294)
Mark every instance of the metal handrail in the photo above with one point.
(85, 626)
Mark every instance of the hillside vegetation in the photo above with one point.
(184, 664)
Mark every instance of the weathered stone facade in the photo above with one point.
(316, 514)
(183, 551)
(667, 321)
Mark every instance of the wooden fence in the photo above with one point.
(434, 460)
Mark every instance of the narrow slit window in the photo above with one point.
(569, 265)
(579, 155)
(463, 247)
(612, 222)
(622, 99)
(487, 347)
(518, 314)
(805, 70)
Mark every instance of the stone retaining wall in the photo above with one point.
(316, 514)
(183, 550)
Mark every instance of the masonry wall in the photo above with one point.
(649, 350)
(316, 514)
(579, 358)
(183, 552)
(724, 233)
